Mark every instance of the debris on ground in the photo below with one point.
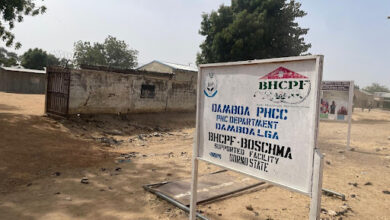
(118, 169)
(123, 161)
(84, 180)
(249, 208)
(345, 209)
(368, 184)
(114, 132)
(332, 213)
(386, 192)
(109, 141)
(353, 184)
(330, 193)
(156, 134)
(142, 137)
(129, 155)
(125, 157)
(56, 174)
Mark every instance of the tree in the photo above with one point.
(8, 58)
(252, 29)
(38, 59)
(376, 87)
(112, 53)
(66, 63)
(12, 11)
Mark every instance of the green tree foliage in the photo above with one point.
(252, 29)
(67, 63)
(376, 87)
(12, 11)
(112, 53)
(38, 59)
(8, 58)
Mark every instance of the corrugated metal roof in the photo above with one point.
(382, 94)
(173, 66)
(365, 92)
(17, 69)
(180, 66)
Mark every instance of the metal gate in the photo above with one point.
(57, 90)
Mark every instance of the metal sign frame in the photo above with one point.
(350, 107)
(316, 175)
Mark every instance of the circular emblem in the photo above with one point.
(210, 87)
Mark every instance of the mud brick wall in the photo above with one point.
(102, 92)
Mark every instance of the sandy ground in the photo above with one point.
(42, 161)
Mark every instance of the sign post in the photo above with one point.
(260, 118)
(337, 103)
(315, 203)
(350, 106)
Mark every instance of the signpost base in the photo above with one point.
(316, 192)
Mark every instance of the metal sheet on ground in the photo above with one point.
(209, 186)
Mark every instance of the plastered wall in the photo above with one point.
(94, 92)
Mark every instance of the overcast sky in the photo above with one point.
(354, 36)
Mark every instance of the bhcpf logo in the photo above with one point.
(283, 86)
(210, 86)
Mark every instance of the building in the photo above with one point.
(109, 91)
(20, 80)
(180, 72)
(363, 99)
(382, 100)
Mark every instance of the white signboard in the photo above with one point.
(336, 102)
(261, 118)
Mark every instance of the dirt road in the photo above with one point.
(42, 161)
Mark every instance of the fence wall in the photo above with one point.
(94, 92)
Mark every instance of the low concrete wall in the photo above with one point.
(100, 92)
(22, 82)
